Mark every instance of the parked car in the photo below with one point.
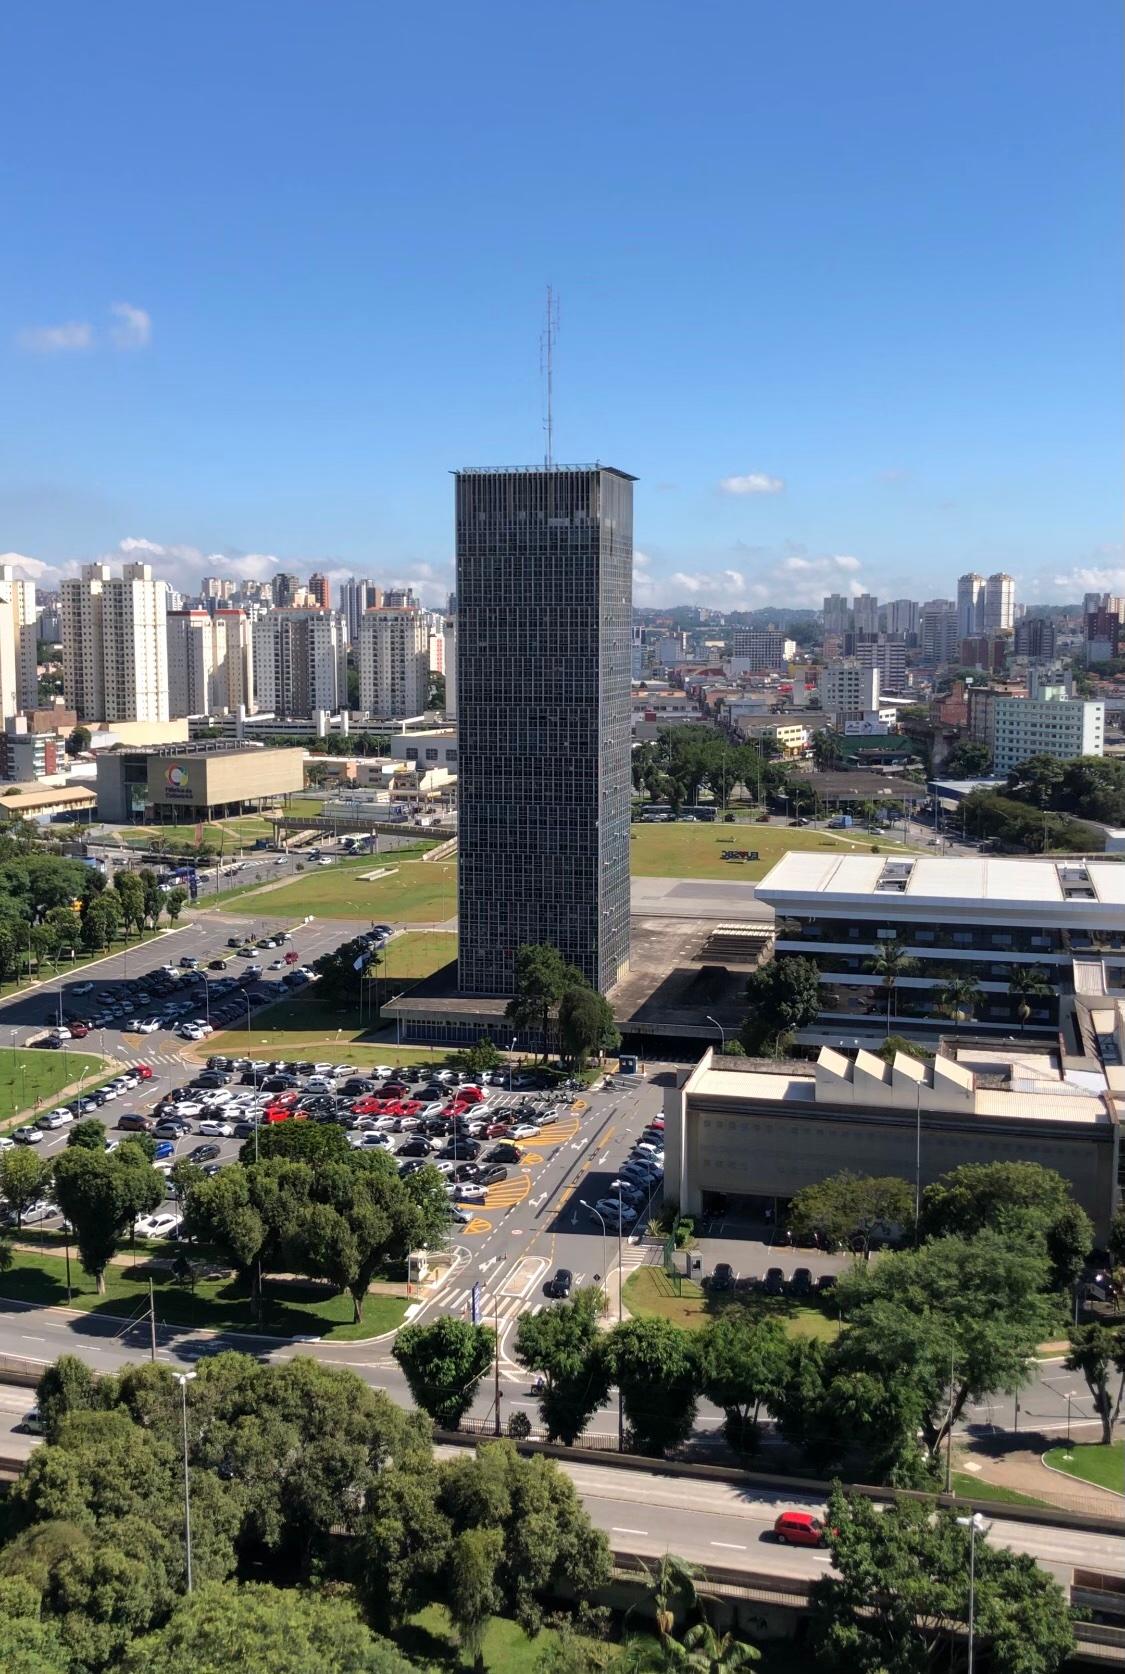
(132, 1122)
(723, 1277)
(203, 1154)
(774, 1282)
(217, 1129)
(28, 1136)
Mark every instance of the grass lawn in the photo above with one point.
(695, 851)
(293, 1307)
(418, 892)
(650, 1293)
(303, 807)
(969, 1486)
(416, 954)
(1090, 1462)
(33, 1077)
(430, 1641)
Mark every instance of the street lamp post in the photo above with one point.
(511, 1049)
(183, 1379)
(722, 1031)
(976, 1525)
(605, 1264)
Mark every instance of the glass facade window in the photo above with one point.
(544, 601)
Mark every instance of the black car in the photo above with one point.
(305, 1068)
(212, 1078)
(430, 1093)
(491, 1174)
(801, 1284)
(355, 1085)
(217, 1061)
(410, 1166)
(415, 1148)
(244, 1129)
(723, 1276)
(774, 1282)
(279, 1083)
(460, 1150)
(467, 1171)
(504, 1153)
(560, 1285)
(203, 1153)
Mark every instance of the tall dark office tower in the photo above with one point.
(544, 619)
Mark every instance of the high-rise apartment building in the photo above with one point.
(970, 605)
(394, 663)
(837, 614)
(999, 604)
(1035, 637)
(135, 656)
(901, 617)
(937, 632)
(285, 589)
(865, 613)
(887, 653)
(216, 587)
(356, 596)
(400, 598)
(300, 662)
(210, 663)
(544, 613)
(450, 636)
(17, 601)
(848, 689)
(115, 644)
(320, 592)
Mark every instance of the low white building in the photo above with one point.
(1050, 724)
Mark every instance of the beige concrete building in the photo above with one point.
(190, 783)
(115, 644)
(755, 1133)
(394, 662)
(19, 618)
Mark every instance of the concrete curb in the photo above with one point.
(1079, 1481)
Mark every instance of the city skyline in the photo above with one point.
(863, 337)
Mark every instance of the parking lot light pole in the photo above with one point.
(976, 1525)
(511, 1049)
(183, 1379)
(605, 1265)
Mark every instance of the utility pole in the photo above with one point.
(151, 1321)
(949, 1431)
(496, 1358)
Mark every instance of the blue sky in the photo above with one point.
(840, 284)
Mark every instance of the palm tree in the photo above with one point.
(674, 1578)
(1030, 984)
(711, 1653)
(957, 997)
(889, 963)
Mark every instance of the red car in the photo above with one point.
(79, 1031)
(800, 1528)
(292, 958)
(469, 1095)
(144, 1071)
(498, 1130)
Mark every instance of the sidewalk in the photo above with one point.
(1018, 1465)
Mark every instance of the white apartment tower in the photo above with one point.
(356, 596)
(970, 605)
(210, 663)
(300, 662)
(865, 613)
(83, 643)
(17, 602)
(135, 645)
(394, 663)
(999, 605)
(847, 688)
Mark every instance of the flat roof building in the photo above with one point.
(188, 783)
(752, 1134)
(975, 916)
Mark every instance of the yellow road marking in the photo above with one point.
(476, 1227)
(605, 1139)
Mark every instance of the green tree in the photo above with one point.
(67, 1386)
(957, 999)
(88, 1135)
(444, 1363)
(100, 919)
(548, 1539)
(78, 740)
(709, 1652)
(29, 1643)
(843, 1205)
(1030, 984)
(566, 1347)
(586, 1025)
(474, 1594)
(153, 896)
(261, 1629)
(1026, 1203)
(403, 1543)
(971, 1310)
(101, 1196)
(23, 1180)
(784, 995)
(483, 1055)
(656, 1371)
(175, 901)
(967, 760)
(542, 977)
(743, 1364)
(900, 1593)
(1098, 1351)
(131, 894)
(891, 962)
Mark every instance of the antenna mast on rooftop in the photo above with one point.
(547, 369)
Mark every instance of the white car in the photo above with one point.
(189, 1108)
(6, 1142)
(380, 1070)
(467, 1192)
(55, 1119)
(149, 1026)
(441, 1166)
(215, 1129)
(60, 1032)
(327, 1069)
(367, 1141)
(216, 1095)
(281, 860)
(28, 1136)
(524, 1130)
(43, 1210)
(320, 1084)
(83, 988)
(277, 965)
(160, 1225)
(109, 1091)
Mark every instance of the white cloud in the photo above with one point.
(844, 562)
(755, 482)
(1091, 579)
(133, 329)
(59, 339)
